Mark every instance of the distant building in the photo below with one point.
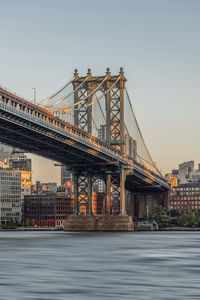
(19, 161)
(48, 210)
(66, 176)
(172, 180)
(195, 176)
(99, 186)
(185, 197)
(175, 173)
(43, 188)
(26, 183)
(65, 190)
(10, 196)
(98, 204)
(184, 171)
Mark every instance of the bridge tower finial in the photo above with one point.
(89, 72)
(121, 70)
(108, 71)
(75, 72)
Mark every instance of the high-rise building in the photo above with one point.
(14, 160)
(10, 196)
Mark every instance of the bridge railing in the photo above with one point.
(60, 127)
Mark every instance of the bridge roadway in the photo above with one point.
(32, 128)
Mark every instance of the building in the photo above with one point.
(172, 180)
(10, 196)
(185, 197)
(43, 188)
(47, 210)
(185, 174)
(184, 171)
(66, 176)
(26, 183)
(195, 176)
(98, 204)
(19, 161)
(99, 186)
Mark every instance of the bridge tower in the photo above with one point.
(113, 88)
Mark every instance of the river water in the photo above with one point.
(97, 265)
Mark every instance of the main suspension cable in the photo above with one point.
(141, 133)
(78, 87)
(56, 93)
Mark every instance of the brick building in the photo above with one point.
(48, 210)
(185, 197)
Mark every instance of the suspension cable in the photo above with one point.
(75, 104)
(56, 93)
(100, 107)
(140, 132)
(78, 87)
(106, 91)
(91, 92)
(142, 160)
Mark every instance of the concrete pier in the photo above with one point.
(101, 223)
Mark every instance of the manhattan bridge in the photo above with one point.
(88, 125)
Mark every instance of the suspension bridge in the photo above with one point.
(88, 125)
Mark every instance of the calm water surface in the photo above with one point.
(61, 265)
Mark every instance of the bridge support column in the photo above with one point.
(89, 202)
(122, 192)
(75, 181)
(108, 192)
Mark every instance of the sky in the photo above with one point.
(156, 41)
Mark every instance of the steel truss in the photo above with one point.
(115, 193)
(115, 114)
(81, 115)
(83, 189)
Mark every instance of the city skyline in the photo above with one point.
(154, 41)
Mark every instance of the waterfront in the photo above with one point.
(97, 265)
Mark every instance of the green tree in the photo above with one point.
(174, 213)
(188, 220)
(10, 224)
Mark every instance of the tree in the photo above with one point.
(174, 213)
(188, 220)
(10, 224)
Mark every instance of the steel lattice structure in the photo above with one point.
(112, 155)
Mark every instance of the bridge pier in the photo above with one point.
(115, 217)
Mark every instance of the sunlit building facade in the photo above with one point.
(10, 196)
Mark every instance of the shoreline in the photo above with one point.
(136, 230)
(179, 229)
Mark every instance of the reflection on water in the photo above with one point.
(60, 265)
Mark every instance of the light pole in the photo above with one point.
(34, 95)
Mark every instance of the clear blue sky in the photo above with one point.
(156, 41)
